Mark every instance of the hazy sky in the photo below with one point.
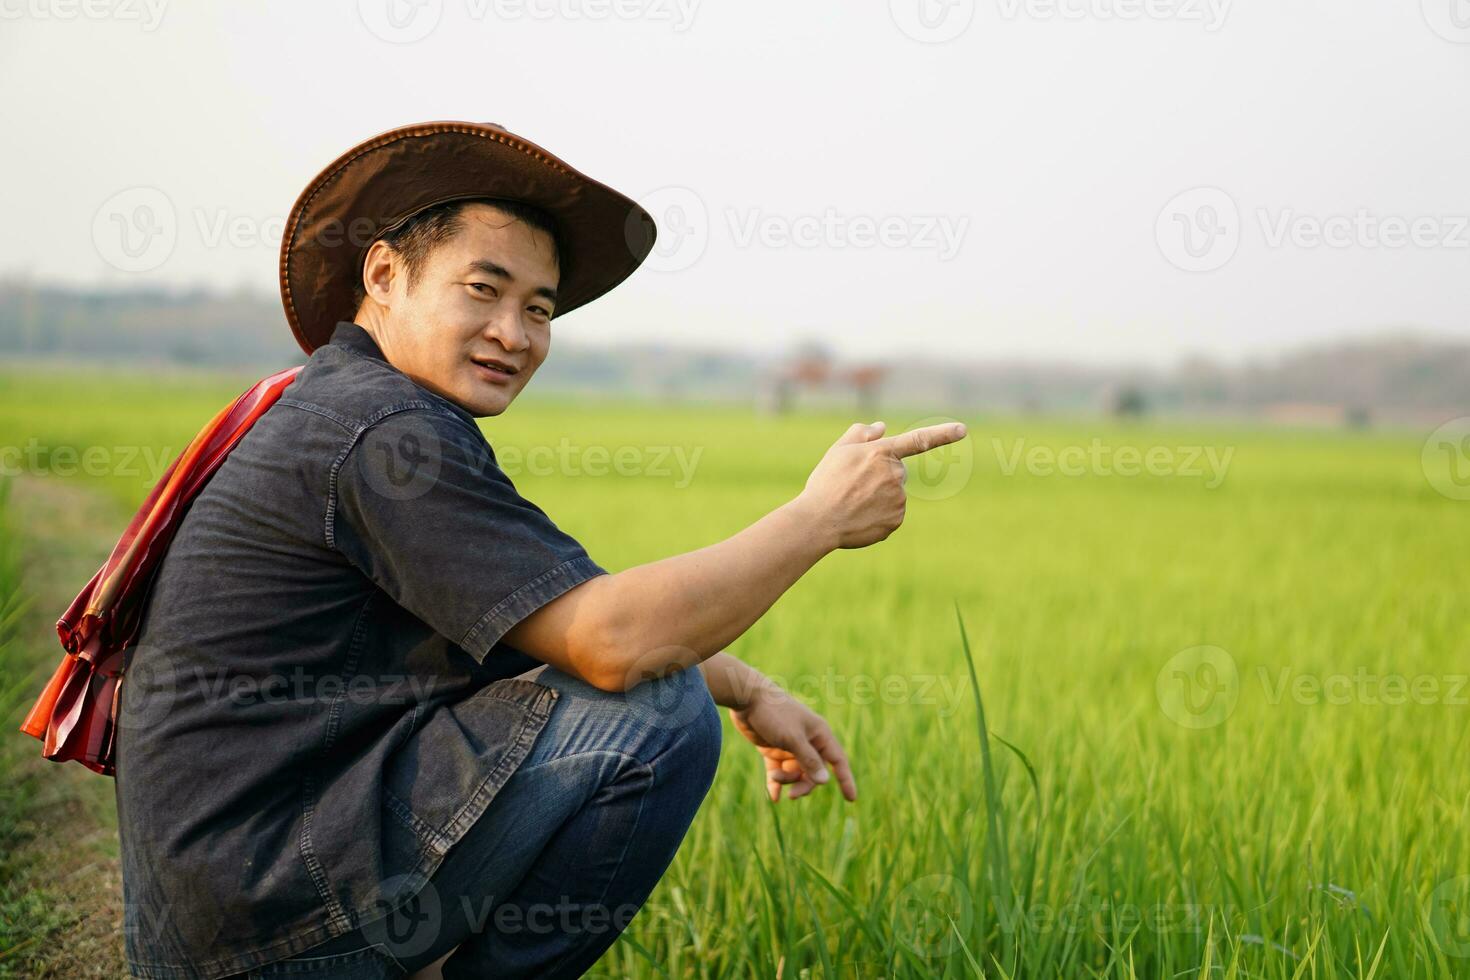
(1106, 180)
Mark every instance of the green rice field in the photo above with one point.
(1223, 670)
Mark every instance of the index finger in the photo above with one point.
(922, 440)
(831, 749)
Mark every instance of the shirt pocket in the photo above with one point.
(449, 770)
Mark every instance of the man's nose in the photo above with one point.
(506, 328)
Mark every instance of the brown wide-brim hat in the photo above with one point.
(377, 185)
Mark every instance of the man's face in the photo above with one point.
(476, 324)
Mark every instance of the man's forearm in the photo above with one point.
(616, 631)
(681, 610)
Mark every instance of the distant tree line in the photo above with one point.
(1395, 376)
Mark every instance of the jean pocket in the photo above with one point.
(369, 963)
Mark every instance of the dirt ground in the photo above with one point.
(66, 532)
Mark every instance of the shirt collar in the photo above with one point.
(353, 337)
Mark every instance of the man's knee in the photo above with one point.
(679, 709)
(670, 714)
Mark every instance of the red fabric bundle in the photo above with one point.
(76, 715)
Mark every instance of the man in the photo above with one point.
(332, 756)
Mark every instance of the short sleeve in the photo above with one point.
(420, 506)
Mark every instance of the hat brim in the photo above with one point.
(380, 183)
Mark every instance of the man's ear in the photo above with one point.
(378, 269)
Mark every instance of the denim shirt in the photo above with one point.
(319, 703)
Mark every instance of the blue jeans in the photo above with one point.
(567, 852)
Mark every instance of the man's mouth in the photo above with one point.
(493, 369)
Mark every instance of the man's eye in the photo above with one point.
(482, 286)
(540, 311)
